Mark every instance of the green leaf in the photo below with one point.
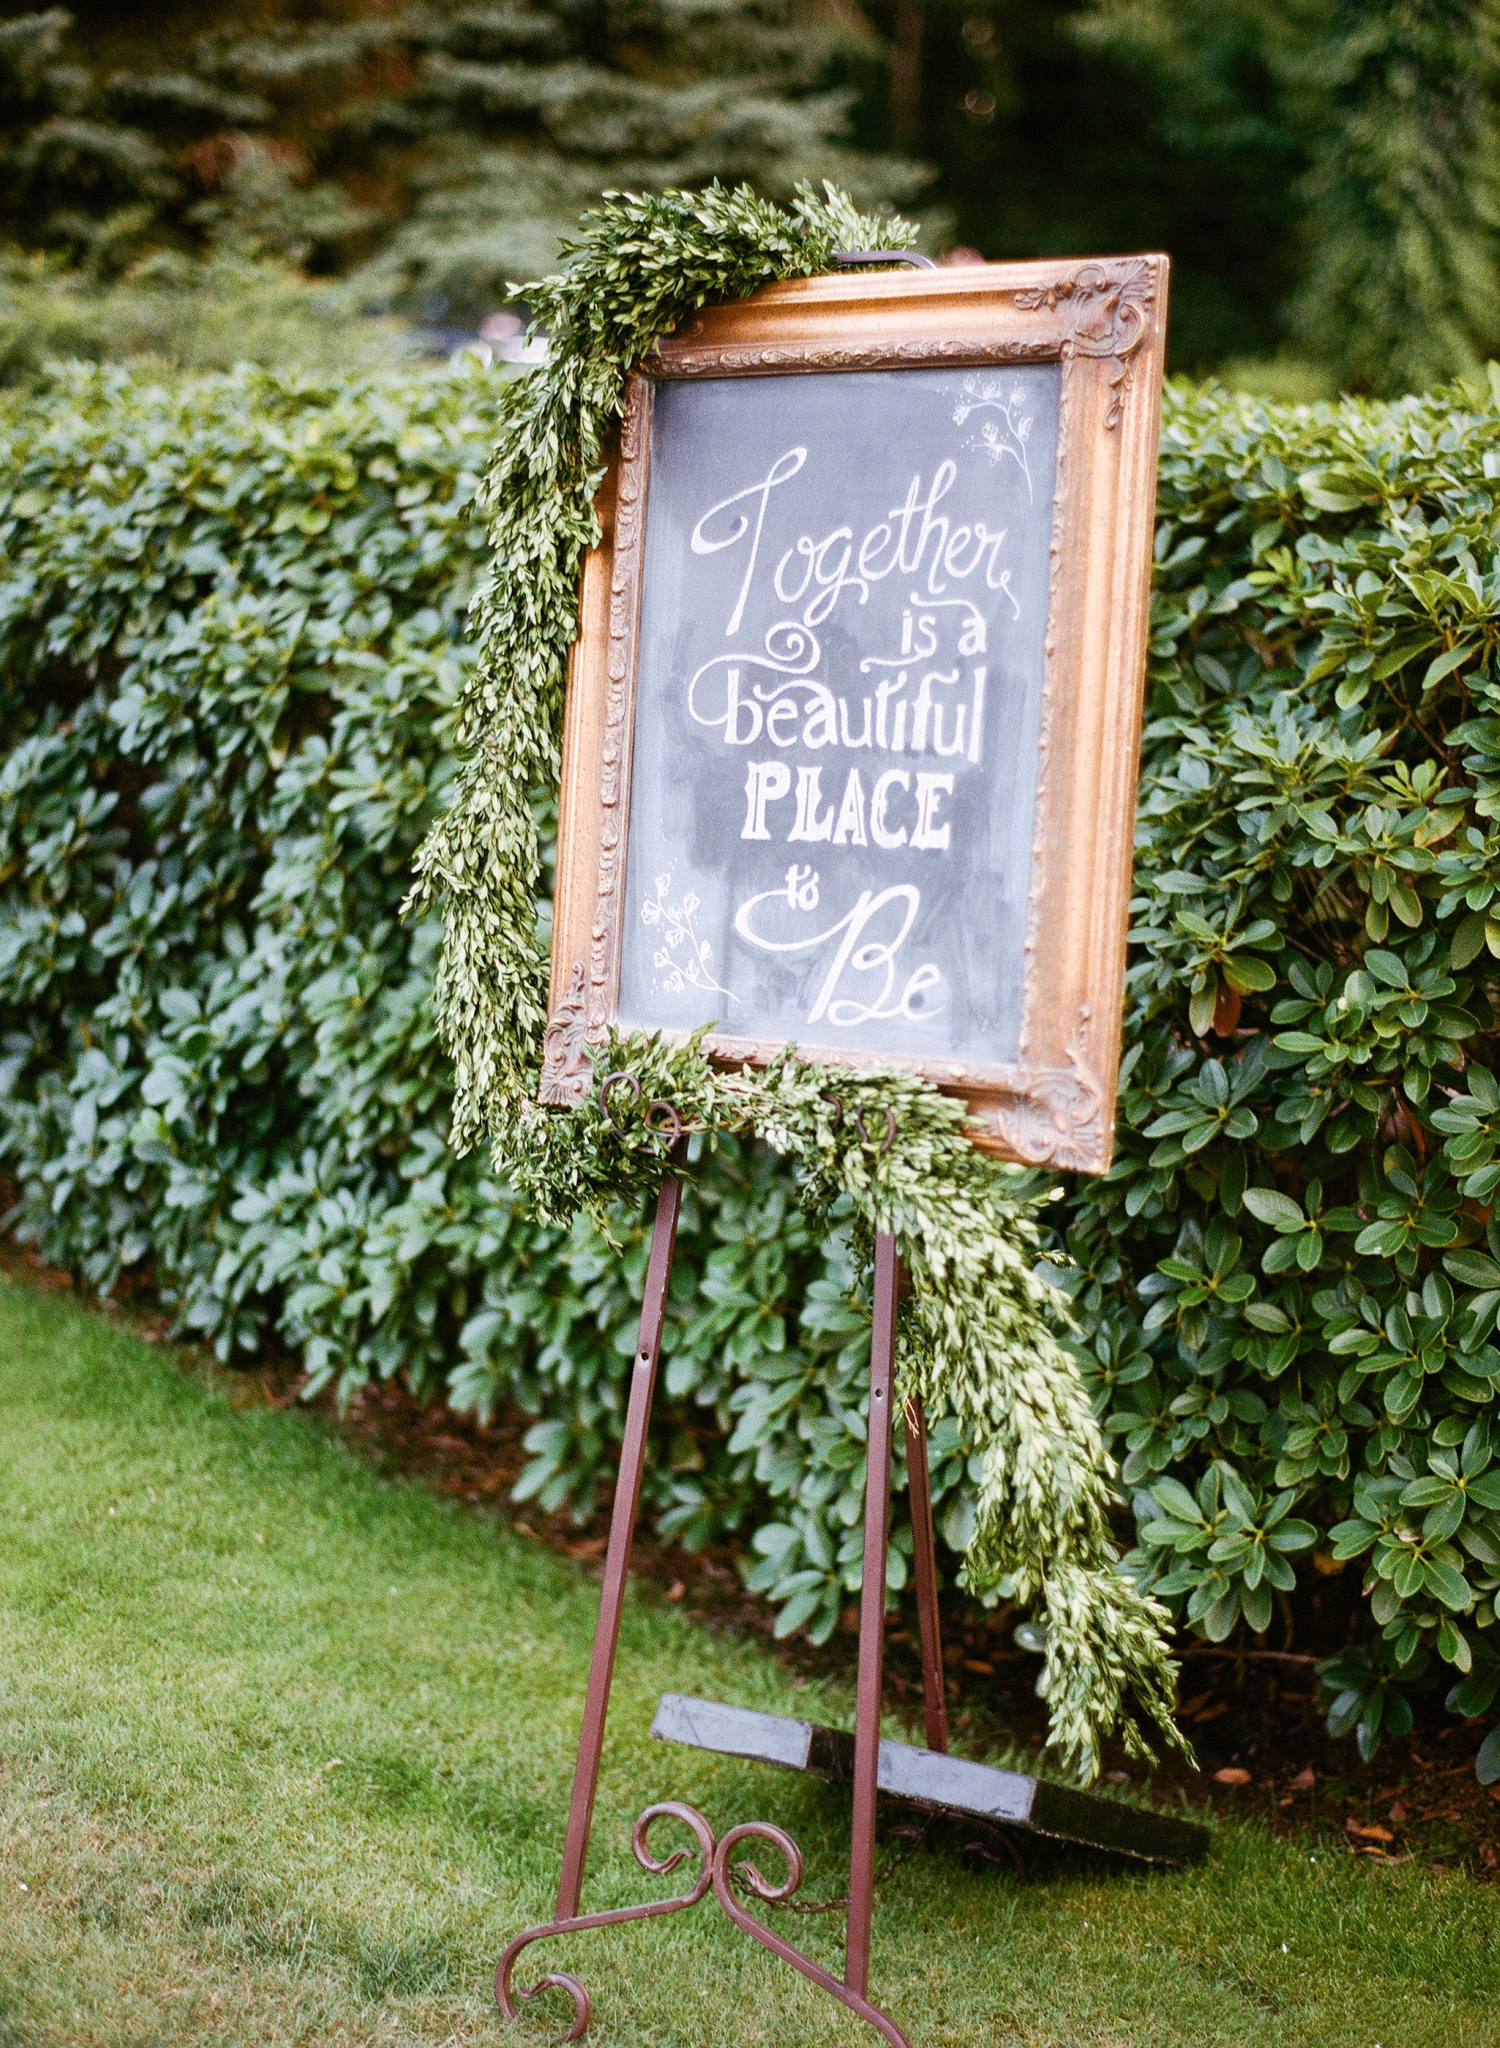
(1421, 1493)
(1450, 1586)
(1256, 1602)
(1381, 1238)
(1329, 490)
(1270, 1206)
(1344, 1712)
(1439, 1523)
(1468, 941)
(1358, 1342)
(1445, 663)
(797, 1609)
(1409, 1576)
(1474, 1269)
(1177, 1501)
(1352, 1538)
(1247, 974)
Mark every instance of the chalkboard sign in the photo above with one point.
(837, 706)
(854, 708)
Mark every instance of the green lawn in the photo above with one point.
(285, 1751)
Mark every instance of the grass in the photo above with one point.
(285, 1753)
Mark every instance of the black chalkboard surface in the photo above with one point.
(838, 692)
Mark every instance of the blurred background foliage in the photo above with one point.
(1323, 172)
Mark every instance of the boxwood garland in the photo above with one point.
(981, 1336)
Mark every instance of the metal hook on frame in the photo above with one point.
(890, 1129)
(670, 1130)
(857, 1116)
(621, 1074)
(855, 259)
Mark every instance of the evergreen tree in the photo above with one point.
(90, 166)
(1370, 126)
(1402, 236)
(1323, 172)
(1217, 86)
(441, 147)
(1072, 126)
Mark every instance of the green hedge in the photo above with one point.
(230, 644)
(1289, 1279)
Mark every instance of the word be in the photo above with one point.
(860, 951)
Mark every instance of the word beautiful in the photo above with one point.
(923, 695)
(776, 698)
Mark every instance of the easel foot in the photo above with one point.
(659, 1866)
(714, 1869)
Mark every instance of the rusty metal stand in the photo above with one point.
(924, 1560)
(714, 1865)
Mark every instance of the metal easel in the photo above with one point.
(715, 1868)
(930, 1778)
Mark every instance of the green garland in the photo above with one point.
(980, 1336)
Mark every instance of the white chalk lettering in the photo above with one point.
(883, 690)
(791, 654)
(781, 471)
(864, 738)
(877, 538)
(977, 720)
(734, 705)
(765, 783)
(943, 481)
(927, 833)
(880, 831)
(850, 829)
(809, 825)
(781, 720)
(939, 744)
(875, 956)
(925, 709)
(914, 537)
(973, 632)
(801, 888)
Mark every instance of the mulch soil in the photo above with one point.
(1253, 1713)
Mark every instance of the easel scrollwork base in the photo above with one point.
(716, 1871)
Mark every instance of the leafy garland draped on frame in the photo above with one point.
(980, 1336)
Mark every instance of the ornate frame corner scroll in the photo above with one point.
(1103, 321)
(565, 1065)
(1107, 309)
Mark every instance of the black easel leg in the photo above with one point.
(617, 1556)
(872, 1616)
(924, 1563)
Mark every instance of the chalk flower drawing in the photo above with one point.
(1000, 437)
(682, 956)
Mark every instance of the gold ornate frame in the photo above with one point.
(1104, 322)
